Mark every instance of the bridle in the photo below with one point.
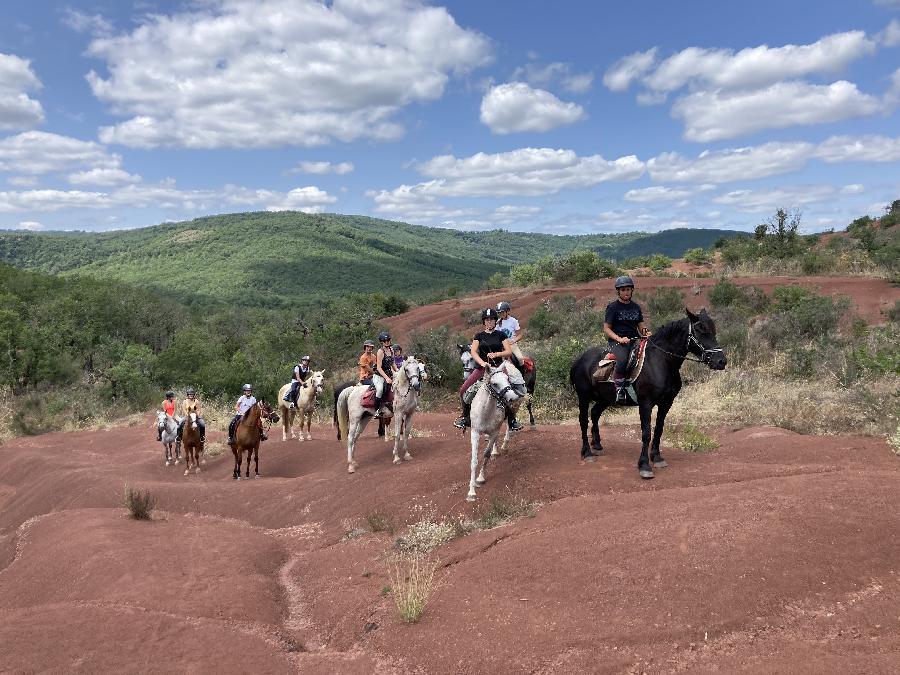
(410, 378)
(500, 395)
(705, 354)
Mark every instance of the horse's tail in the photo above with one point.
(342, 412)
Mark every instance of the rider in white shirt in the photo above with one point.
(244, 403)
(509, 325)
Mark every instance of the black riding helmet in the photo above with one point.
(489, 313)
(383, 336)
(622, 282)
(170, 394)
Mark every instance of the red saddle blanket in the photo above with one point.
(638, 353)
(527, 365)
(368, 399)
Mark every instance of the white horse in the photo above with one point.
(407, 387)
(501, 386)
(171, 444)
(352, 419)
(306, 406)
(469, 365)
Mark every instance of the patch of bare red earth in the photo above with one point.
(870, 298)
(775, 553)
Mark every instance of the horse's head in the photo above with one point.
(702, 340)
(160, 418)
(501, 382)
(193, 418)
(413, 371)
(317, 380)
(266, 412)
(468, 361)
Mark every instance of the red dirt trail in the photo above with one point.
(870, 298)
(774, 553)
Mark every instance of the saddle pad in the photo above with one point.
(527, 365)
(368, 399)
(606, 366)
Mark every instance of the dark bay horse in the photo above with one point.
(657, 385)
(247, 436)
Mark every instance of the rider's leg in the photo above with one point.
(514, 424)
(202, 424)
(378, 381)
(518, 358)
(291, 396)
(231, 428)
(621, 353)
(180, 432)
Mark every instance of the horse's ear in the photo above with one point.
(322, 372)
(693, 317)
(460, 348)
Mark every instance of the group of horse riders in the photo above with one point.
(377, 368)
(623, 325)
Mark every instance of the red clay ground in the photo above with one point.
(870, 298)
(775, 553)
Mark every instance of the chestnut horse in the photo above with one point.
(190, 442)
(248, 434)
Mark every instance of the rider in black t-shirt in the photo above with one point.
(624, 321)
(490, 346)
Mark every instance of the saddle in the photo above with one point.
(607, 365)
(368, 399)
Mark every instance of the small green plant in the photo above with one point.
(691, 438)
(698, 256)
(502, 509)
(140, 503)
(385, 590)
(380, 522)
(413, 581)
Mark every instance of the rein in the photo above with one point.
(705, 353)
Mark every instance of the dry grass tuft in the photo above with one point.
(140, 503)
(504, 508)
(412, 576)
(425, 535)
(690, 438)
(380, 522)
(213, 449)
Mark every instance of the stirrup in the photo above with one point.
(515, 425)
(462, 423)
(621, 395)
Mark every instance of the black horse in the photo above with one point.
(469, 365)
(337, 392)
(657, 385)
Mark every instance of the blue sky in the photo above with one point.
(569, 117)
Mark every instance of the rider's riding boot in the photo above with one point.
(377, 407)
(465, 420)
(514, 424)
(621, 396)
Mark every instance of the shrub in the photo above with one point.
(803, 318)
(380, 522)
(564, 315)
(497, 280)
(659, 262)
(725, 293)
(424, 535)
(691, 438)
(433, 348)
(697, 256)
(140, 503)
(412, 583)
(812, 262)
(666, 305)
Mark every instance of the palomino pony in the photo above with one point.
(352, 418)
(407, 386)
(489, 412)
(247, 436)
(190, 441)
(171, 444)
(657, 384)
(306, 406)
(469, 365)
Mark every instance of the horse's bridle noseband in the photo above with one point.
(705, 354)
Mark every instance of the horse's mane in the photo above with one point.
(670, 331)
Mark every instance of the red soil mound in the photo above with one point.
(775, 553)
(870, 298)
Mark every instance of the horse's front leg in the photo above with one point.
(528, 403)
(237, 461)
(255, 462)
(583, 404)
(476, 437)
(489, 451)
(406, 428)
(662, 409)
(644, 468)
(167, 452)
(495, 452)
(307, 417)
(596, 411)
(397, 424)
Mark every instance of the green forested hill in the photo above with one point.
(290, 258)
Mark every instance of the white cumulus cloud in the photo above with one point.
(657, 194)
(307, 199)
(716, 115)
(724, 166)
(31, 225)
(262, 73)
(514, 107)
(760, 201)
(17, 109)
(321, 168)
(626, 70)
(859, 149)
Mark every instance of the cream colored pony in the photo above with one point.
(306, 406)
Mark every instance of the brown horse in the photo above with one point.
(247, 436)
(190, 442)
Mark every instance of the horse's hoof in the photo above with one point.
(309, 438)
(661, 464)
(480, 481)
(256, 476)
(589, 458)
(533, 427)
(168, 462)
(407, 457)
(197, 470)
(351, 469)
(397, 460)
(470, 497)
(646, 473)
(187, 471)
(237, 477)
(495, 452)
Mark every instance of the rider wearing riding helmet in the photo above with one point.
(188, 406)
(509, 325)
(168, 406)
(244, 403)
(489, 347)
(298, 379)
(382, 376)
(623, 324)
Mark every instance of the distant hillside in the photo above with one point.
(290, 258)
